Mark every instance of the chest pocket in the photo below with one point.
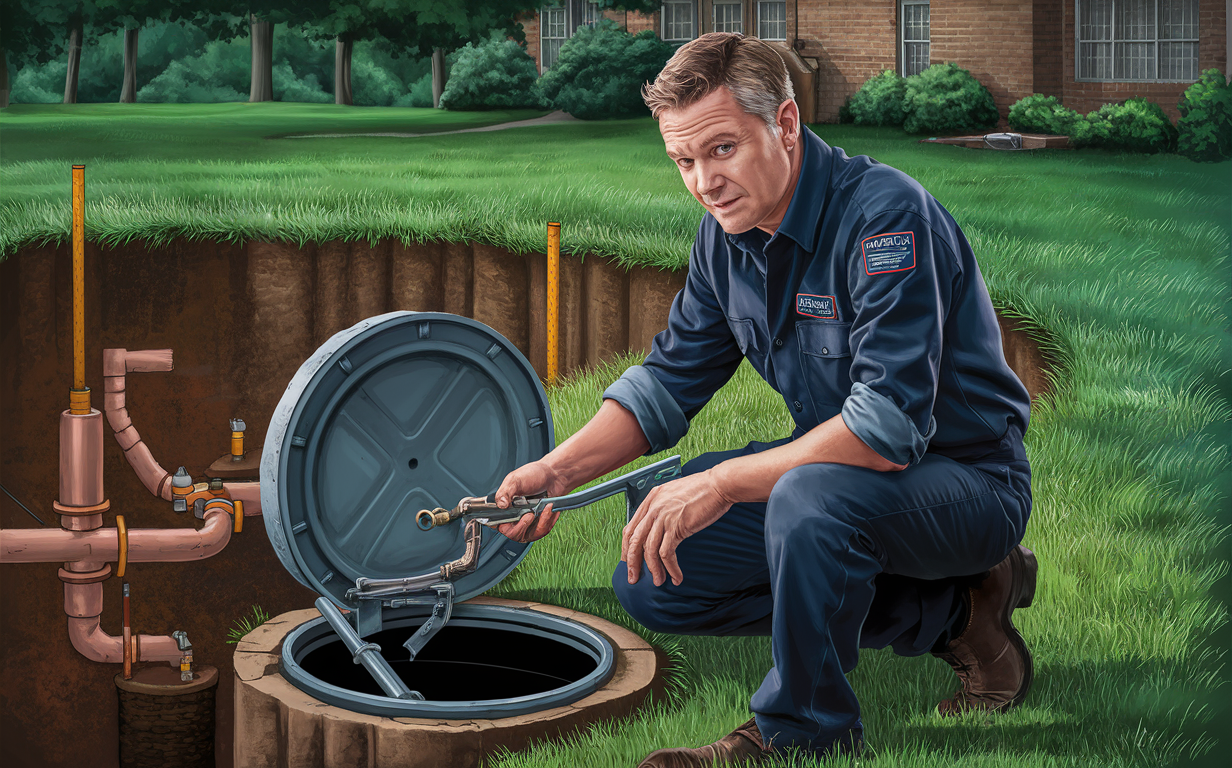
(825, 359)
(746, 336)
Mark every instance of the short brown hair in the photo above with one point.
(748, 67)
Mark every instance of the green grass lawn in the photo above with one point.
(1121, 261)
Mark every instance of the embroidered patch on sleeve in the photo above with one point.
(816, 306)
(888, 252)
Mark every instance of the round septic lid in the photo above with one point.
(401, 412)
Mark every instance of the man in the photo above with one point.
(893, 514)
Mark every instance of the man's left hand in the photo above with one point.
(669, 514)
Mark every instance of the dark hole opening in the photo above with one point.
(413, 463)
(461, 663)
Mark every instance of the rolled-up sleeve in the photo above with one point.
(901, 276)
(688, 362)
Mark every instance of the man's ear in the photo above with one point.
(788, 119)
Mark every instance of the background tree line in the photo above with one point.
(395, 37)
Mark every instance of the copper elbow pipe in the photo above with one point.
(117, 362)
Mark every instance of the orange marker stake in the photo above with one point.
(553, 298)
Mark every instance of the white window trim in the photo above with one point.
(714, 15)
(902, 35)
(1112, 41)
(563, 6)
(757, 23)
(663, 25)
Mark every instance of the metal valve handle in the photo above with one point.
(635, 485)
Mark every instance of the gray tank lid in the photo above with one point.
(401, 412)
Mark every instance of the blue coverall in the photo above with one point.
(868, 302)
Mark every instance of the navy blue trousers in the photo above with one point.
(840, 558)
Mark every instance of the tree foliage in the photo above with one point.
(1205, 128)
(946, 98)
(601, 69)
(496, 74)
(878, 102)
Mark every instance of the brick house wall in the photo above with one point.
(993, 39)
(846, 43)
(1085, 97)
(1013, 48)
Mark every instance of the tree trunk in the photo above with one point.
(342, 70)
(4, 78)
(439, 76)
(128, 94)
(74, 65)
(262, 33)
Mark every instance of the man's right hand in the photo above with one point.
(534, 480)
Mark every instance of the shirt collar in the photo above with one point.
(807, 200)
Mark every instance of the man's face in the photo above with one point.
(730, 162)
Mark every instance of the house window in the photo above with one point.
(914, 33)
(728, 17)
(1137, 40)
(553, 30)
(590, 14)
(772, 21)
(678, 21)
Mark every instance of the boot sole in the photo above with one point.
(1024, 586)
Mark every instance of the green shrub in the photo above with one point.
(600, 72)
(878, 102)
(1135, 125)
(496, 74)
(947, 99)
(1043, 114)
(1204, 132)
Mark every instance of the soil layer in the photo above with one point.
(240, 319)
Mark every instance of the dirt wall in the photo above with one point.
(240, 319)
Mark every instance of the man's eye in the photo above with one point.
(729, 148)
(684, 162)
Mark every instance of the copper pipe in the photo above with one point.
(128, 639)
(81, 459)
(96, 645)
(117, 362)
(248, 493)
(100, 546)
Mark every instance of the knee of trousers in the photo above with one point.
(656, 608)
(801, 512)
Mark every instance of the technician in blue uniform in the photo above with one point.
(892, 515)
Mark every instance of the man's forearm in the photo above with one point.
(751, 478)
(611, 439)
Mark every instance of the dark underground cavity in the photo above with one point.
(462, 663)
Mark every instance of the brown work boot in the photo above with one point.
(991, 659)
(740, 747)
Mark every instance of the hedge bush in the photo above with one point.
(600, 71)
(947, 99)
(1204, 132)
(878, 102)
(496, 74)
(1043, 114)
(1134, 125)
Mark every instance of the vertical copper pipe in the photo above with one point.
(79, 399)
(81, 459)
(128, 634)
(553, 298)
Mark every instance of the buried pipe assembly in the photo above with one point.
(82, 544)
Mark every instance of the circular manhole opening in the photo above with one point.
(488, 661)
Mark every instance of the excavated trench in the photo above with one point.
(241, 319)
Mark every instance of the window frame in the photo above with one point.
(758, 21)
(714, 15)
(663, 21)
(902, 35)
(589, 7)
(1113, 40)
(564, 8)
